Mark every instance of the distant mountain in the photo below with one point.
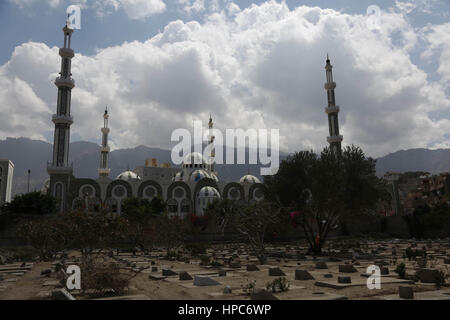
(32, 154)
(432, 161)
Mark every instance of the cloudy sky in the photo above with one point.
(160, 64)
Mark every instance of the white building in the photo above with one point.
(6, 177)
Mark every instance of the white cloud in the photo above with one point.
(260, 67)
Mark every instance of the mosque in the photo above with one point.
(187, 190)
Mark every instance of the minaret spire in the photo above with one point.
(335, 139)
(104, 170)
(211, 148)
(59, 169)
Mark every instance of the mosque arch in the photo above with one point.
(256, 192)
(177, 185)
(143, 187)
(78, 184)
(234, 186)
(128, 192)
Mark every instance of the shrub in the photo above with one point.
(99, 278)
(401, 270)
(413, 254)
(440, 279)
(278, 285)
(205, 260)
(196, 249)
(249, 287)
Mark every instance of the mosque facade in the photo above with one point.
(187, 189)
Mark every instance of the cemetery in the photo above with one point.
(233, 272)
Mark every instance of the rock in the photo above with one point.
(168, 272)
(427, 275)
(347, 268)
(185, 276)
(276, 272)
(154, 269)
(344, 280)
(222, 273)
(303, 275)
(406, 292)
(61, 294)
(227, 290)
(262, 294)
(1, 277)
(447, 261)
(328, 275)
(204, 281)
(321, 265)
(252, 267)
(235, 265)
(384, 270)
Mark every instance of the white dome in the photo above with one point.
(249, 179)
(198, 175)
(192, 159)
(208, 192)
(213, 176)
(128, 175)
(46, 185)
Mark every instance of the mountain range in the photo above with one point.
(34, 154)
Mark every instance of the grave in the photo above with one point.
(262, 294)
(185, 276)
(276, 272)
(168, 273)
(405, 292)
(303, 275)
(347, 268)
(321, 265)
(204, 281)
(252, 267)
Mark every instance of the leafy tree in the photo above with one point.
(33, 203)
(250, 220)
(172, 231)
(44, 235)
(434, 218)
(141, 214)
(323, 191)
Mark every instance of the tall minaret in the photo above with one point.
(59, 169)
(212, 155)
(103, 171)
(332, 110)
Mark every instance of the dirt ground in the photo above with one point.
(28, 283)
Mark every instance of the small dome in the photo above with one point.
(208, 192)
(193, 159)
(128, 175)
(46, 185)
(249, 179)
(178, 176)
(213, 176)
(198, 175)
